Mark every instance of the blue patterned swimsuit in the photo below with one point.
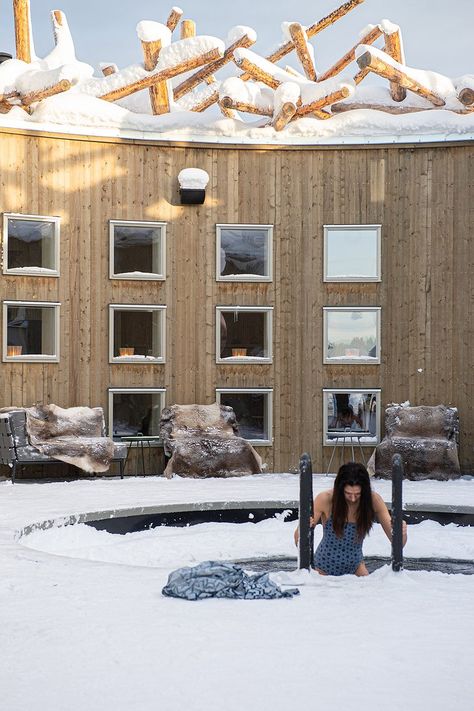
(339, 556)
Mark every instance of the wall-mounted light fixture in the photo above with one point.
(192, 186)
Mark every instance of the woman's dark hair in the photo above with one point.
(352, 474)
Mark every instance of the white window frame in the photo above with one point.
(241, 360)
(346, 438)
(349, 359)
(134, 307)
(243, 277)
(117, 390)
(354, 228)
(31, 358)
(128, 276)
(25, 271)
(244, 391)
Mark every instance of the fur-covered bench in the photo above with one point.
(17, 451)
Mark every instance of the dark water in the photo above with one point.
(271, 565)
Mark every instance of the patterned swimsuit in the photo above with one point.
(339, 556)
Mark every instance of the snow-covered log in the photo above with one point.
(287, 97)
(248, 97)
(315, 97)
(260, 69)
(61, 86)
(182, 56)
(382, 64)
(465, 89)
(372, 33)
(246, 38)
(153, 36)
(304, 50)
(23, 40)
(394, 48)
(173, 18)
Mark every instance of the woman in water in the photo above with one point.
(347, 513)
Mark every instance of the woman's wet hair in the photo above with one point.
(352, 474)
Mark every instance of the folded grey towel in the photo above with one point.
(217, 579)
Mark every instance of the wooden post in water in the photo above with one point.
(397, 513)
(305, 544)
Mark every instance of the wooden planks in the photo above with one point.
(420, 194)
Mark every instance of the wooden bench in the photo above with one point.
(16, 450)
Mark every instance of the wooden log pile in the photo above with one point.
(189, 79)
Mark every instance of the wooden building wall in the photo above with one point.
(422, 195)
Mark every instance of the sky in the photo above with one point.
(437, 34)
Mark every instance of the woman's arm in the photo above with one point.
(384, 518)
(319, 506)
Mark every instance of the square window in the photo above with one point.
(253, 412)
(352, 253)
(136, 334)
(244, 334)
(137, 250)
(351, 335)
(30, 331)
(135, 411)
(351, 416)
(244, 253)
(31, 245)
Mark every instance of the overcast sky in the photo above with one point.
(437, 33)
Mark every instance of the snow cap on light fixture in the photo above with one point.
(192, 186)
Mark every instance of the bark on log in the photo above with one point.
(108, 70)
(349, 57)
(188, 29)
(168, 73)
(284, 116)
(299, 40)
(228, 103)
(159, 98)
(327, 100)
(207, 72)
(466, 96)
(59, 17)
(58, 88)
(21, 14)
(393, 47)
(378, 66)
(173, 18)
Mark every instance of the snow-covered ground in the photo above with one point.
(83, 623)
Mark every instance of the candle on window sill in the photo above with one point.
(13, 351)
(126, 352)
(239, 352)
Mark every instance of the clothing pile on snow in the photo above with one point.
(217, 579)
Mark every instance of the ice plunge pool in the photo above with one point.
(259, 538)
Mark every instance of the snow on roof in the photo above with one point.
(34, 94)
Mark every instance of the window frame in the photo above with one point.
(246, 360)
(161, 308)
(28, 271)
(111, 391)
(32, 358)
(242, 278)
(128, 276)
(334, 442)
(344, 360)
(264, 391)
(353, 228)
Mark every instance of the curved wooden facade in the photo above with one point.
(421, 195)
